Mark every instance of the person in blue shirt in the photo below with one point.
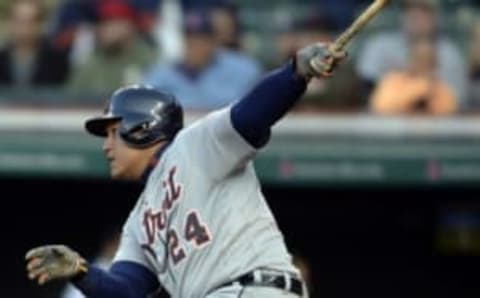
(208, 77)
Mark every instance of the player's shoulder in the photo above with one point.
(205, 121)
(200, 129)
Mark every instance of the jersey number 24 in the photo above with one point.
(194, 232)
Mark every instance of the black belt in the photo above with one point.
(279, 280)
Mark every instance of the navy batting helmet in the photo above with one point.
(147, 116)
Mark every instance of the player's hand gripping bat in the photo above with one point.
(323, 59)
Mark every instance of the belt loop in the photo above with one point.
(288, 282)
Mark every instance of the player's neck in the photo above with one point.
(155, 154)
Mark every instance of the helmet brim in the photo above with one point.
(98, 126)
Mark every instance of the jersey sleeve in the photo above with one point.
(215, 146)
(130, 249)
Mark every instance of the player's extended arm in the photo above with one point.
(275, 95)
(124, 280)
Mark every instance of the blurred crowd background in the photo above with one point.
(210, 52)
(362, 199)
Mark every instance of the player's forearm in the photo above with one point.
(124, 280)
(269, 101)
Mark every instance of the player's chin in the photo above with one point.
(117, 173)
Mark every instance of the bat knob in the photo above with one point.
(321, 67)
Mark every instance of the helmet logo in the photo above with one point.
(140, 132)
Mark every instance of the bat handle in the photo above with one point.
(335, 48)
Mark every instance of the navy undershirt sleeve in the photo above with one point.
(254, 115)
(124, 280)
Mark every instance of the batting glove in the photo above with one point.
(317, 61)
(54, 262)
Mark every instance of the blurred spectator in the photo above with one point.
(227, 26)
(28, 60)
(208, 77)
(169, 26)
(104, 259)
(338, 93)
(475, 68)
(386, 52)
(416, 90)
(68, 16)
(72, 13)
(121, 56)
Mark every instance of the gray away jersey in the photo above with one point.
(202, 220)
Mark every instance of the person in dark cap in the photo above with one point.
(194, 80)
(228, 31)
(121, 55)
(199, 42)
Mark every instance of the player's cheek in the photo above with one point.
(114, 167)
(122, 163)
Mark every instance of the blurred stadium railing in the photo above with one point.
(314, 150)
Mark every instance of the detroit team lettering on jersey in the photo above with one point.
(202, 219)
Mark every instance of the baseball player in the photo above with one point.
(201, 227)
